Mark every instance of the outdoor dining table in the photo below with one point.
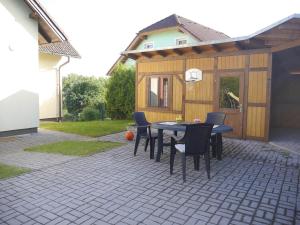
(175, 127)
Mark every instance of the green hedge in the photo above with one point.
(120, 93)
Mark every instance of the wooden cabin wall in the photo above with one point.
(195, 100)
(258, 83)
(173, 68)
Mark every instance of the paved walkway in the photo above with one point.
(11, 149)
(254, 184)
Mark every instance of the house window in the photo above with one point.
(181, 41)
(158, 92)
(148, 45)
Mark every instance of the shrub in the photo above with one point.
(80, 92)
(69, 117)
(89, 113)
(120, 93)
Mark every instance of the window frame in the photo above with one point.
(169, 92)
(149, 43)
(181, 39)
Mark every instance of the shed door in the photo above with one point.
(229, 93)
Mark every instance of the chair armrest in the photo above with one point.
(176, 138)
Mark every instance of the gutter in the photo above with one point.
(60, 89)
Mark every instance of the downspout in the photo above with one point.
(60, 89)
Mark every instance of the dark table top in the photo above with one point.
(182, 127)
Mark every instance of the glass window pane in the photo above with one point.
(153, 92)
(229, 92)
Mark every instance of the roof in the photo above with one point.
(59, 48)
(200, 32)
(52, 39)
(273, 36)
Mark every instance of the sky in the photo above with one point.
(101, 30)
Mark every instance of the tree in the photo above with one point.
(120, 93)
(81, 91)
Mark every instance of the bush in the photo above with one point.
(80, 92)
(89, 113)
(120, 93)
(69, 117)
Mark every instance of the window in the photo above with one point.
(229, 92)
(181, 41)
(148, 45)
(158, 92)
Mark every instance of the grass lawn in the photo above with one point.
(11, 171)
(75, 148)
(88, 128)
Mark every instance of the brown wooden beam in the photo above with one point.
(178, 51)
(44, 34)
(239, 45)
(34, 16)
(132, 56)
(143, 37)
(216, 47)
(280, 36)
(289, 26)
(256, 43)
(162, 53)
(197, 49)
(146, 54)
(288, 45)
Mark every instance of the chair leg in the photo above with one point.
(196, 162)
(214, 146)
(172, 159)
(152, 147)
(183, 162)
(137, 141)
(146, 144)
(219, 144)
(172, 156)
(207, 163)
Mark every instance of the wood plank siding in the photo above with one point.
(195, 100)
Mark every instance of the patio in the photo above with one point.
(255, 183)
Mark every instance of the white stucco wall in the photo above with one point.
(48, 85)
(19, 104)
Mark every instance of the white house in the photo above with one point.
(32, 51)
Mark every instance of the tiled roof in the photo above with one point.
(202, 33)
(60, 48)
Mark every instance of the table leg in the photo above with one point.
(219, 146)
(159, 144)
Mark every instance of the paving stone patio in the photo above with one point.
(11, 149)
(255, 183)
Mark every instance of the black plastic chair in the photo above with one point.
(144, 131)
(196, 142)
(216, 118)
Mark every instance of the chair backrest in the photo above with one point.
(197, 137)
(216, 118)
(140, 120)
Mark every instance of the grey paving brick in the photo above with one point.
(253, 184)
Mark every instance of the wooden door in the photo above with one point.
(229, 99)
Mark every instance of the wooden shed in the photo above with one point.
(254, 79)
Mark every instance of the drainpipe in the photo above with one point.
(60, 89)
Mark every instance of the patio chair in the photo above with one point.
(144, 132)
(195, 143)
(216, 118)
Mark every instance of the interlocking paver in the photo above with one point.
(255, 183)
